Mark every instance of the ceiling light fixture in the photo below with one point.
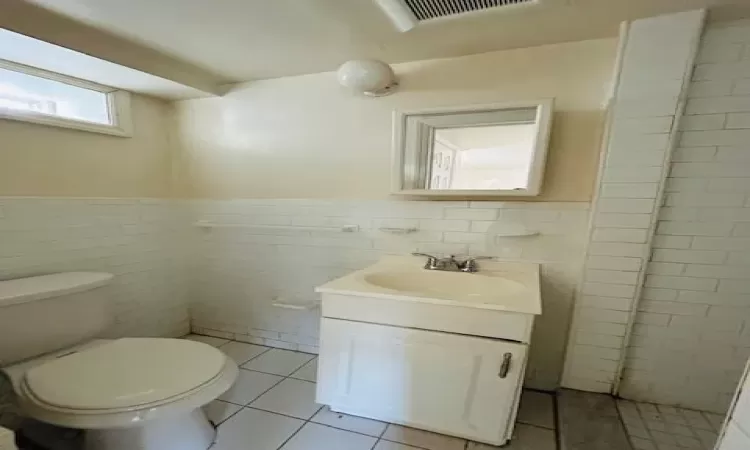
(371, 77)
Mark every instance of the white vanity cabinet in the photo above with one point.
(437, 350)
(423, 365)
(454, 384)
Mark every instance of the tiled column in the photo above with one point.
(691, 336)
(655, 68)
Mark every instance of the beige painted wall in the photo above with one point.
(306, 137)
(38, 160)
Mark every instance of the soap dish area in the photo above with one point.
(500, 234)
(510, 230)
(309, 306)
(204, 224)
(527, 233)
(398, 230)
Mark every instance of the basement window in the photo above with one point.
(38, 96)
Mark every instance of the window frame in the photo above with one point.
(118, 104)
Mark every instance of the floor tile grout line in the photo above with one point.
(411, 445)
(342, 429)
(291, 436)
(310, 420)
(247, 405)
(275, 374)
(555, 422)
(536, 425)
(681, 412)
(627, 433)
(278, 375)
(652, 438)
(301, 379)
(710, 422)
(339, 428)
(258, 396)
(249, 343)
(284, 377)
(382, 433)
(230, 416)
(287, 415)
(317, 423)
(692, 429)
(268, 349)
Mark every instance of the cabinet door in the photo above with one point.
(449, 383)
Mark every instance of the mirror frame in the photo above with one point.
(408, 158)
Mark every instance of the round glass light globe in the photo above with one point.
(369, 76)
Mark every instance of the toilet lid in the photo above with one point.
(125, 373)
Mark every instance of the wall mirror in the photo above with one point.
(482, 150)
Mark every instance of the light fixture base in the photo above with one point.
(388, 90)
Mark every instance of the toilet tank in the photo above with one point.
(50, 312)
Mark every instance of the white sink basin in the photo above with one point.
(446, 285)
(497, 285)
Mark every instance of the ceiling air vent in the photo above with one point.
(406, 14)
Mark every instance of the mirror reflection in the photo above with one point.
(486, 157)
(478, 150)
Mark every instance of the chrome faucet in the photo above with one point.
(450, 264)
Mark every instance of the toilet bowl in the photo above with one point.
(126, 394)
(131, 393)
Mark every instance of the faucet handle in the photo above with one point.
(470, 265)
(431, 260)
(476, 258)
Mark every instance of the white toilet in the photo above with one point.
(128, 394)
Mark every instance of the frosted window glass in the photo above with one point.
(30, 93)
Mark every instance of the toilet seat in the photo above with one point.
(125, 374)
(124, 382)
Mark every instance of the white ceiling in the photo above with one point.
(242, 40)
(28, 51)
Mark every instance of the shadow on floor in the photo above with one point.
(588, 421)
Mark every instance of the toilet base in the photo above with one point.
(190, 431)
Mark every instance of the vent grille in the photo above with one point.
(433, 9)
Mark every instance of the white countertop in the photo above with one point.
(504, 286)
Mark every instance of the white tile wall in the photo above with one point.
(245, 270)
(643, 116)
(694, 353)
(140, 241)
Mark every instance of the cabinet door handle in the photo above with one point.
(505, 366)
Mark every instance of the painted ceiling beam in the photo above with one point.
(33, 21)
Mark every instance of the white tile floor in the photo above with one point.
(272, 407)
(658, 427)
